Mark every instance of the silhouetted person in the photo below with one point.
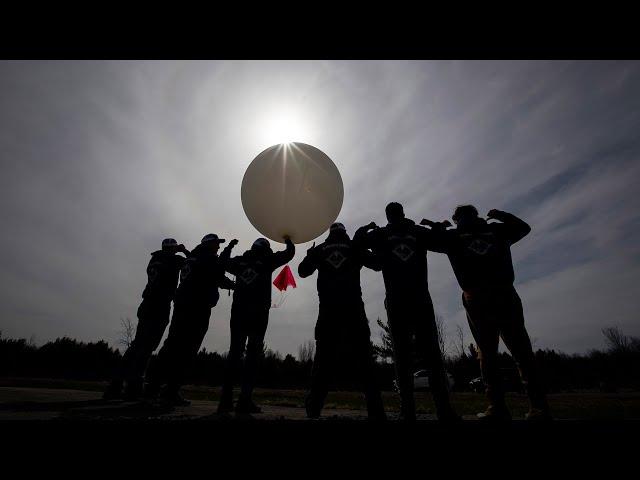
(480, 255)
(153, 317)
(249, 318)
(342, 330)
(200, 278)
(402, 247)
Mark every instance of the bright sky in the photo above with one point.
(101, 160)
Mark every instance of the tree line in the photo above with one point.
(613, 368)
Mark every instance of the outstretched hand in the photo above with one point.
(311, 248)
(233, 243)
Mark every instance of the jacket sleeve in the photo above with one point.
(280, 258)
(370, 260)
(365, 237)
(435, 238)
(231, 265)
(512, 228)
(308, 265)
(223, 258)
(226, 283)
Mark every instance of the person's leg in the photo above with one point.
(516, 339)
(365, 364)
(401, 334)
(123, 369)
(148, 336)
(323, 360)
(158, 370)
(234, 360)
(430, 355)
(257, 327)
(186, 352)
(484, 328)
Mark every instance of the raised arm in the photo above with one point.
(513, 228)
(366, 237)
(436, 237)
(370, 260)
(226, 252)
(284, 256)
(309, 264)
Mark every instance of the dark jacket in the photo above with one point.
(162, 274)
(338, 261)
(402, 249)
(253, 271)
(201, 276)
(480, 254)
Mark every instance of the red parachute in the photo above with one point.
(283, 280)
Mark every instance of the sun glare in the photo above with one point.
(284, 126)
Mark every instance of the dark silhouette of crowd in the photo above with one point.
(480, 256)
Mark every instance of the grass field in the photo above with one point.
(570, 405)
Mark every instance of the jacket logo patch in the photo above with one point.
(248, 275)
(403, 251)
(336, 259)
(479, 246)
(153, 274)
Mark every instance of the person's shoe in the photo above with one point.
(113, 392)
(133, 391)
(246, 407)
(538, 415)
(407, 416)
(377, 417)
(225, 406)
(151, 391)
(174, 398)
(312, 412)
(449, 417)
(495, 414)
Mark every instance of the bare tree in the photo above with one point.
(459, 343)
(306, 351)
(385, 349)
(442, 334)
(127, 333)
(618, 342)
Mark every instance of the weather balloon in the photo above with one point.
(292, 189)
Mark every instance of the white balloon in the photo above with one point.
(292, 189)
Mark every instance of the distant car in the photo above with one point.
(421, 381)
(511, 381)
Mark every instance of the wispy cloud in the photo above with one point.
(101, 160)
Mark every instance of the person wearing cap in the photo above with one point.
(153, 317)
(480, 255)
(402, 247)
(249, 318)
(342, 331)
(200, 278)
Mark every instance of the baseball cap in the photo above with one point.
(169, 242)
(261, 242)
(212, 237)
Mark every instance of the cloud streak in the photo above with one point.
(101, 160)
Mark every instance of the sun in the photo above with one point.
(283, 125)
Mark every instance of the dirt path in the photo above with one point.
(23, 403)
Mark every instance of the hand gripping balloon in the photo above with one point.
(292, 189)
